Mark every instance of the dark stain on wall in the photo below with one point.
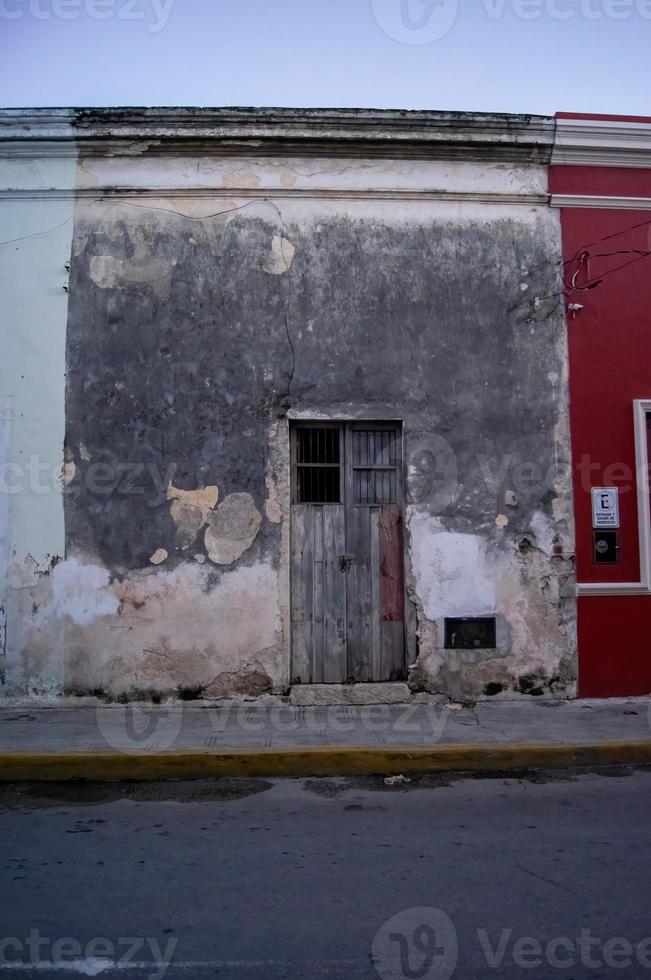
(178, 375)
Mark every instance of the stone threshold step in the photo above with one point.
(312, 694)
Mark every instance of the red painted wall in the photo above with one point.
(610, 365)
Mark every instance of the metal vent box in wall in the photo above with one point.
(606, 547)
(470, 633)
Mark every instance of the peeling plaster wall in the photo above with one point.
(37, 230)
(153, 632)
(529, 589)
(181, 378)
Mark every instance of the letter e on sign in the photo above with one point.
(605, 507)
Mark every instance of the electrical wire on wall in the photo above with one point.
(576, 271)
(37, 234)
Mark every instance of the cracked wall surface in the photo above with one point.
(197, 326)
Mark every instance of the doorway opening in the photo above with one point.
(347, 560)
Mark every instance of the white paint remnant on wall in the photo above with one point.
(544, 532)
(279, 261)
(82, 592)
(108, 272)
(142, 268)
(451, 570)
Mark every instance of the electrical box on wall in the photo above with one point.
(606, 547)
(470, 633)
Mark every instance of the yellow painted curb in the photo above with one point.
(320, 761)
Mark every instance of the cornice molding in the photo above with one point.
(594, 201)
(612, 588)
(602, 143)
(318, 132)
(115, 195)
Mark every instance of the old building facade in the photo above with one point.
(283, 400)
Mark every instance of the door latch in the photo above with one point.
(345, 561)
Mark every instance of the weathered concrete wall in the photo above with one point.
(37, 233)
(202, 316)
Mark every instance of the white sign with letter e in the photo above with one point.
(605, 507)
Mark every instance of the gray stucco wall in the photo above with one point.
(192, 340)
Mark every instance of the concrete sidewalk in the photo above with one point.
(144, 741)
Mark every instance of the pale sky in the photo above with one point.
(534, 56)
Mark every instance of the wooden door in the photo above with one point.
(347, 571)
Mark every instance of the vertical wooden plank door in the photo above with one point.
(347, 570)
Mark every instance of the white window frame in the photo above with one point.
(641, 409)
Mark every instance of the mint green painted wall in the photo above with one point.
(32, 351)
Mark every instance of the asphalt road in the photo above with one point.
(535, 877)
